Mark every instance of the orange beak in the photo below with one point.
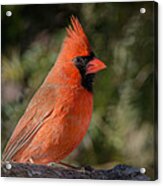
(94, 66)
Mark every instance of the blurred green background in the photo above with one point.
(122, 126)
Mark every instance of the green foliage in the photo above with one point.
(122, 126)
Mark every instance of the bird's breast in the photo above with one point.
(64, 129)
(74, 117)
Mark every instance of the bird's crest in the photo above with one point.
(76, 42)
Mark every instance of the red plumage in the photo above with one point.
(59, 114)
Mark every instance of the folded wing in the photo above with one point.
(38, 110)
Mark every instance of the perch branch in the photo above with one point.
(119, 172)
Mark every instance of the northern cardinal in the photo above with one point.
(59, 114)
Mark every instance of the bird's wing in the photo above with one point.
(38, 110)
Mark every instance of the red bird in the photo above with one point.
(58, 116)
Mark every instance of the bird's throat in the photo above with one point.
(87, 81)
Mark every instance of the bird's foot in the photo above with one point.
(53, 164)
(31, 161)
(68, 165)
(82, 168)
(58, 164)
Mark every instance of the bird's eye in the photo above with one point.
(77, 60)
(82, 61)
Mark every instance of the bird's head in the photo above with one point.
(76, 52)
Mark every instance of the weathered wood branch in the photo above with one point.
(119, 172)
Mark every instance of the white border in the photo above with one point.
(52, 182)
